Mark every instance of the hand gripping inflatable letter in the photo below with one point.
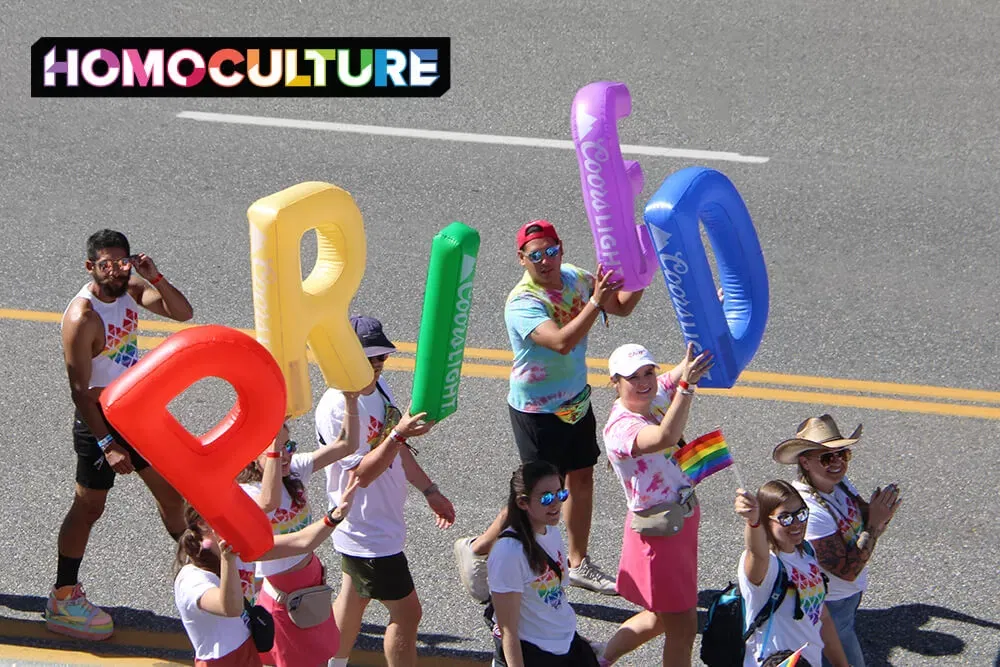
(610, 184)
(288, 311)
(445, 321)
(732, 331)
(203, 469)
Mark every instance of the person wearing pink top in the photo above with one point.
(658, 569)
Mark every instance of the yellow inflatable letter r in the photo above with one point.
(289, 312)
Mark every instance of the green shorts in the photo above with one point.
(383, 578)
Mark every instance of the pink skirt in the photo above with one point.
(660, 573)
(295, 646)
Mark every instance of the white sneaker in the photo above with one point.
(588, 576)
(472, 570)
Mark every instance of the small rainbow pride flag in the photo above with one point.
(704, 456)
(793, 659)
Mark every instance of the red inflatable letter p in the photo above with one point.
(203, 469)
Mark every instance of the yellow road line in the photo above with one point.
(473, 369)
(109, 651)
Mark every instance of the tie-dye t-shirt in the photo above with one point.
(291, 515)
(547, 620)
(787, 633)
(648, 479)
(542, 379)
(836, 513)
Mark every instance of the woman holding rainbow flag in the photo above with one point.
(659, 563)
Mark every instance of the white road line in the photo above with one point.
(439, 135)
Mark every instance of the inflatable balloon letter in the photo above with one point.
(445, 321)
(610, 184)
(288, 311)
(203, 469)
(732, 331)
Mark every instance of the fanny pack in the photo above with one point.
(665, 519)
(307, 607)
(261, 625)
(575, 408)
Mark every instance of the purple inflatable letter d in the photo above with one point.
(610, 184)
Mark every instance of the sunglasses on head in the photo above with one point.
(827, 458)
(548, 498)
(786, 519)
(536, 255)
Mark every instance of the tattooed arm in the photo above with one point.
(841, 560)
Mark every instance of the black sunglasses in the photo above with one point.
(788, 518)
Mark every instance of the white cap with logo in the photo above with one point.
(629, 358)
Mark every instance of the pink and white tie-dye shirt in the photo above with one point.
(648, 479)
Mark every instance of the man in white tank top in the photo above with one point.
(99, 344)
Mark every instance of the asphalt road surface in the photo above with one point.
(876, 210)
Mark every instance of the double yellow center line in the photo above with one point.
(863, 394)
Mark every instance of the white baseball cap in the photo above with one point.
(629, 358)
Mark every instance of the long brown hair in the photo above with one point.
(253, 473)
(189, 549)
(769, 497)
(522, 483)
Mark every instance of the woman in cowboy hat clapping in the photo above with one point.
(843, 529)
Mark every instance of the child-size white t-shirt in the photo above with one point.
(212, 636)
(547, 619)
(376, 525)
(289, 516)
(787, 634)
(845, 520)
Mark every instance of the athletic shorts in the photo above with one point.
(382, 578)
(580, 654)
(546, 437)
(92, 469)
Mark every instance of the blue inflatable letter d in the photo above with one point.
(733, 330)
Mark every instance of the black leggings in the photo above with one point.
(580, 655)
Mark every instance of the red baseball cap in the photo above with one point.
(545, 231)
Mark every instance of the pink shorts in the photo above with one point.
(295, 646)
(660, 573)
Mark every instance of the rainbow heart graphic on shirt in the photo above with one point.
(121, 344)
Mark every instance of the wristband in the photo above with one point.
(158, 278)
(394, 434)
(273, 455)
(431, 490)
(683, 384)
(105, 442)
(754, 525)
(686, 392)
(329, 520)
(593, 302)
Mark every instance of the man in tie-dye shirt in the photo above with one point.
(99, 337)
(548, 315)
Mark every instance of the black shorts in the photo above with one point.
(92, 469)
(581, 654)
(382, 578)
(546, 437)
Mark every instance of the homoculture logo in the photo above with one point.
(240, 67)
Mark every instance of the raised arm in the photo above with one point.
(312, 536)
(227, 598)
(375, 462)
(347, 441)
(564, 339)
(847, 562)
(668, 432)
(156, 294)
(754, 537)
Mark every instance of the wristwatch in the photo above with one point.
(330, 520)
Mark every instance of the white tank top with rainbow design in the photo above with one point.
(121, 348)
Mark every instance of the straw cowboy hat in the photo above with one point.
(814, 433)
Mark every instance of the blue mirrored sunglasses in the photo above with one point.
(291, 446)
(549, 497)
(536, 255)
